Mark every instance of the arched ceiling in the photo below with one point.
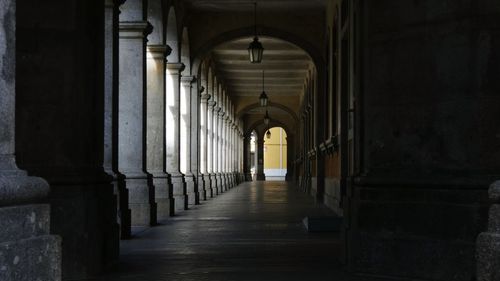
(285, 65)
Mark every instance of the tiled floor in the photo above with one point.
(252, 232)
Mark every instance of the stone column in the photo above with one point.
(111, 23)
(195, 140)
(155, 133)
(229, 161)
(131, 116)
(210, 140)
(220, 151)
(246, 158)
(189, 177)
(289, 151)
(215, 151)
(173, 137)
(260, 159)
(28, 251)
(488, 243)
(204, 179)
(241, 157)
(229, 164)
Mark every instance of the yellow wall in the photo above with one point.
(272, 149)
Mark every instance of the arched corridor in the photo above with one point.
(134, 140)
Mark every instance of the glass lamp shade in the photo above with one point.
(266, 118)
(263, 99)
(255, 51)
(268, 134)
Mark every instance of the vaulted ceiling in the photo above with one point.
(285, 67)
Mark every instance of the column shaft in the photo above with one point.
(215, 152)
(260, 159)
(187, 138)
(210, 155)
(195, 140)
(205, 189)
(173, 136)
(155, 133)
(131, 116)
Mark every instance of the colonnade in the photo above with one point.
(221, 138)
(162, 162)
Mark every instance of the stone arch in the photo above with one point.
(270, 104)
(172, 37)
(155, 17)
(273, 123)
(185, 51)
(308, 47)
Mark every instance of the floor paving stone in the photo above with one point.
(252, 232)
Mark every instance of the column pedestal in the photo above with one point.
(209, 191)
(191, 192)
(215, 184)
(28, 250)
(488, 243)
(163, 200)
(179, 193)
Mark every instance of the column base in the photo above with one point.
(162, 196)
(209, 192)
(214, 184)
(227, 177)
(29, 252)
(488, 254)
(221, 183)
(261, 177)
(179, 193)
(140, 203)
(202, 193)
(123, 211)
(191, 189)
(84, 215)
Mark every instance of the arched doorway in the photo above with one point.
(275, 154)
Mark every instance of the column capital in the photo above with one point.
(188, 80)
(159, 51)
(176, 67)
(212, 104)
(134, 29)
(221, 113)
(205, 98)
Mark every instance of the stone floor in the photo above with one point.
(252, 232)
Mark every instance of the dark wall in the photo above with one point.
(59, 132)
(431, 87)
(431, 105)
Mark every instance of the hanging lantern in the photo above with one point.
(263, 97)
(266, 118)
(268, 134)
(255, 49)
